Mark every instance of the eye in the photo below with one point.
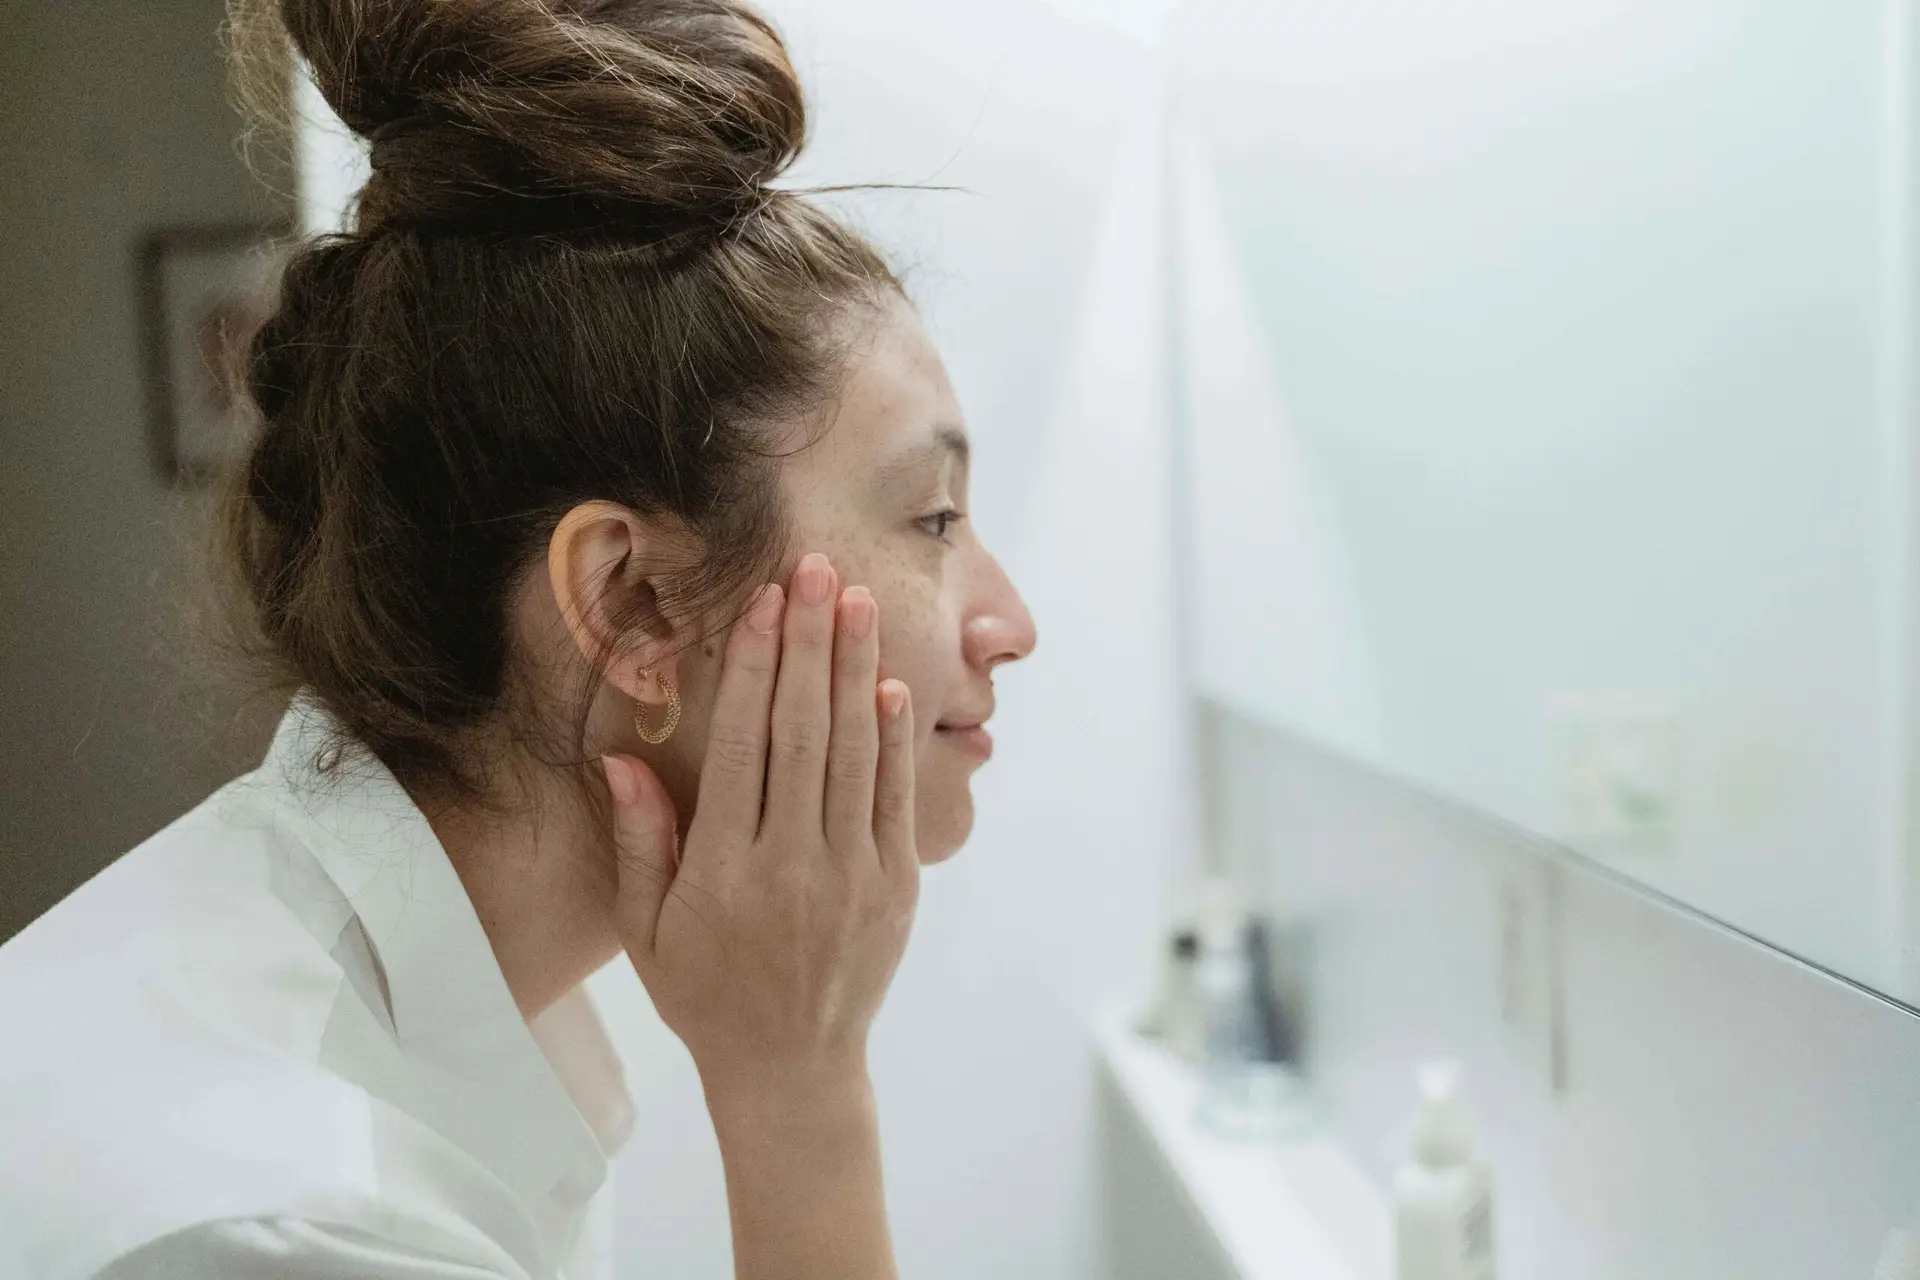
(939, 522)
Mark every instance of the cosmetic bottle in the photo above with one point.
(1279, 1039)
(1223, 976)
(1174, 1017)
(1244, 1093)
(1443, 1194)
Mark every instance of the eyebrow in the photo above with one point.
(948, 441)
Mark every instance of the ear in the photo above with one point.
(603, 562)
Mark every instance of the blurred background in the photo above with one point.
(1461, 462)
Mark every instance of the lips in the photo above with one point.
(972, 738)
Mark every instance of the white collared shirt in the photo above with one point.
(273, 1041)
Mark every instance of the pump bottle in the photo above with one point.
(1443, 1194)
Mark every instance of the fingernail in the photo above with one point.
(764, 616)
(856, 612)
(620, 781)
(813, 578)
(893, 699)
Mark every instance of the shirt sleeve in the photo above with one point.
(288, 1248)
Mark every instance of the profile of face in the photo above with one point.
(882, 492)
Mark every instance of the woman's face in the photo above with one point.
(883, 494)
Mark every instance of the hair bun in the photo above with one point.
(674, 111)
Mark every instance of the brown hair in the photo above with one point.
(567, 279)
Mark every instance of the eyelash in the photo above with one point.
(948, 519)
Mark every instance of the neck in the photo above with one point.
(540, 875)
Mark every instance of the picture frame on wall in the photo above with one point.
(204, 290)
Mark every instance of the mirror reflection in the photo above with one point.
(1550, 369)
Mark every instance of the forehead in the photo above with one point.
(895, 397)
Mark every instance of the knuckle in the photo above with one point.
(756, 656)
(849, 763)
(887, 909)
(811, 636)
(874, 909)
(798, 740)
(905, 896)
(890, 804)
(792, 887)
(817, 898)
(853, 656)
(734, 749)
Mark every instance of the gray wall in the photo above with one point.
(113, 120)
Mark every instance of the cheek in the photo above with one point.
(920, 645)
(914, 648)
(919, 637)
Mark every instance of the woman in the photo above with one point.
(608, 522)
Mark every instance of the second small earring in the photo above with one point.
(668, 722)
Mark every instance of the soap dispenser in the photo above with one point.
(1443, 1194)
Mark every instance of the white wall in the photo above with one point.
(114, 121)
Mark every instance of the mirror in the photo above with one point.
(1546, 380)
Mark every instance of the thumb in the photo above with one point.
(645, 840)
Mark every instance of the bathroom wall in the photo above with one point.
(1726, 1112)
(114, 121)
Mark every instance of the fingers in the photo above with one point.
(736, 764)
(893, 814)
(645, 857)
(802, 701)
(854, 744)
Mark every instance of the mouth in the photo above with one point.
(969, 736)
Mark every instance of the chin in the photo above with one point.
(941, 833)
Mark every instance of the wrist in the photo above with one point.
(801, 1099)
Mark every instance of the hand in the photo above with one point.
(769, 940)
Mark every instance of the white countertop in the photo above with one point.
(1296, 1209)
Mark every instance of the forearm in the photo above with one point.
(804, 1184)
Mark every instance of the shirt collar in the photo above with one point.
(486, 1083)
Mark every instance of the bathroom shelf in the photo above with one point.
(1298, 1209)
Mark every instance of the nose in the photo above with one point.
(999, 628)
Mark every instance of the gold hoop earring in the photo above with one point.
(668, 725)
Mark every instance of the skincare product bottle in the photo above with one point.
(1443, 1194)
(1223, 974)
(1244, 1093)
(1174, 1016)
(1278, 1040)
